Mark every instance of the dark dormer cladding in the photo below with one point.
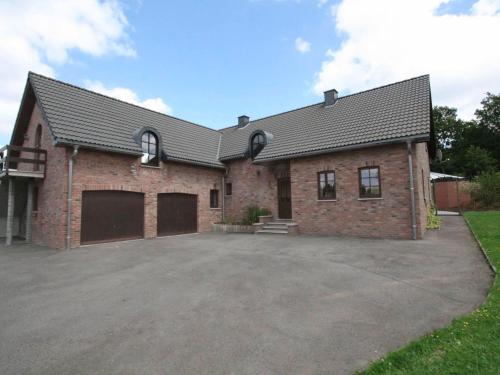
(258, 140)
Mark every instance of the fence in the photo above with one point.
(452, 195)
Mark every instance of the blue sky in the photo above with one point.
(214, 63)
(211, 61)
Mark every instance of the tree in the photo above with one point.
(489, 114)
(447, 125)
(448, 129)
(487, 133)
(477, 160)
(455, 138)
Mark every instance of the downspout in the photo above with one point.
(70, 196)
(223, 190)
(412, 193)
(224, 194)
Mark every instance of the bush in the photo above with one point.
(253, 213)
(485, 189)
(433, 221)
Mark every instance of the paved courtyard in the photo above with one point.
(231, 304)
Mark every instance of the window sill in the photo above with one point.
(150, 166)
(326, 200)
(370, 199)
(215, 208)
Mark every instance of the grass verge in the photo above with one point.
(469, 345)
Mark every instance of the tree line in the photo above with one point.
(469, 147)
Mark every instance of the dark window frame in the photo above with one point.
(320, 193)
(214, 198)
(155, 161)
(360, 182)
(229, 189)
(257, 147)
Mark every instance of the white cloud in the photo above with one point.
(38, 35)
(301, 45)
(390, 40)
(486, 7)
(322, 2)
(129, 96)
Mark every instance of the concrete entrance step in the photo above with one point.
(283, 223)
(279, 226)
(276, 226)
(272, 231)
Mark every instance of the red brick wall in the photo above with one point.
(94, 170)
(252, 184)
(388, 217)
(49, 221)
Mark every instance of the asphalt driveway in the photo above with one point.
(231, 304)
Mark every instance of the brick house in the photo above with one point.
(82, 167)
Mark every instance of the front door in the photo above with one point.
(284, 198)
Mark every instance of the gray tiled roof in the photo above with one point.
(388, 113)
(76, 115)
(398, 110)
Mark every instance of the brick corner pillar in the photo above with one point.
(150, 212)
(10, 212)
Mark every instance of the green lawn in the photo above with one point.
(471, 344)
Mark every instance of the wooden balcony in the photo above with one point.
(17, 161)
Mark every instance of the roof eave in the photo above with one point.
(134, 153)
(233, 157)
(67, 142)
(417, 138)
(194, 162)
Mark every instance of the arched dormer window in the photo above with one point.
(38, 145)
(257, 141)
(150, 149)
(257, 144)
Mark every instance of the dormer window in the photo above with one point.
(150, 151)
(257, 144)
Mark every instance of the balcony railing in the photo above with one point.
(22, 161)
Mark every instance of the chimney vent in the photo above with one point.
(243, 121)
(330, 97)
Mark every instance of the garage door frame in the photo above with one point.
(111, 215)
(171, 211)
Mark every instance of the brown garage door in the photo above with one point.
(177, 214)
(111, 216)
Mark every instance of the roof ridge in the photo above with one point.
(30, 73)
(277, 114)
(384, 86)
(340, 97)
